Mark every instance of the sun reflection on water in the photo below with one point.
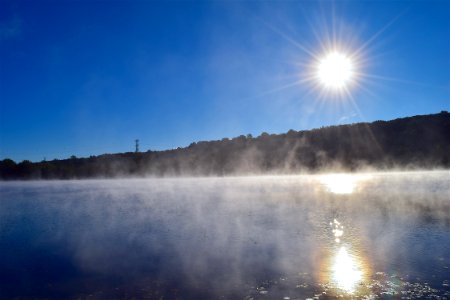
(346, 273)
(342, 183)
(345, 267)
(338, 230)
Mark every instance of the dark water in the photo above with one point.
(293, 237)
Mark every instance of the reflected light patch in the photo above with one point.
(339, 183)
(338, 230)
(345, 271)
(342, 183)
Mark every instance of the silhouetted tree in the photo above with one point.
(419, 141)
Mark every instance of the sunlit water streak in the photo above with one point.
(208, 238)
(338, 230)
(346, 268)
(343, 183)
(346, 272)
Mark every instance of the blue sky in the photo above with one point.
(89, 77)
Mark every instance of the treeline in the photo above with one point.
(413, 142)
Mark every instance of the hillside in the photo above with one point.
(412, 142)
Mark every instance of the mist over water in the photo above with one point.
(269, 237)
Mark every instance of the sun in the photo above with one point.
(335, 70)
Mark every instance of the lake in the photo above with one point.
(367, 235)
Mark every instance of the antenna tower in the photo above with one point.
(137, 145)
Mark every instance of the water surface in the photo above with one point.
(274, 237)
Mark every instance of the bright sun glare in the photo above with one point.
(339, 183)
(343, 183)
(346, 272)
(335, 70)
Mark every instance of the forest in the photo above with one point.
(417, 142)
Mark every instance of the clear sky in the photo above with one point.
(89, 77)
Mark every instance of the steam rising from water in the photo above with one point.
(203, 238)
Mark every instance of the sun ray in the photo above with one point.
(379, 32)
(393, 79)
(291, 40)
(277, 89)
